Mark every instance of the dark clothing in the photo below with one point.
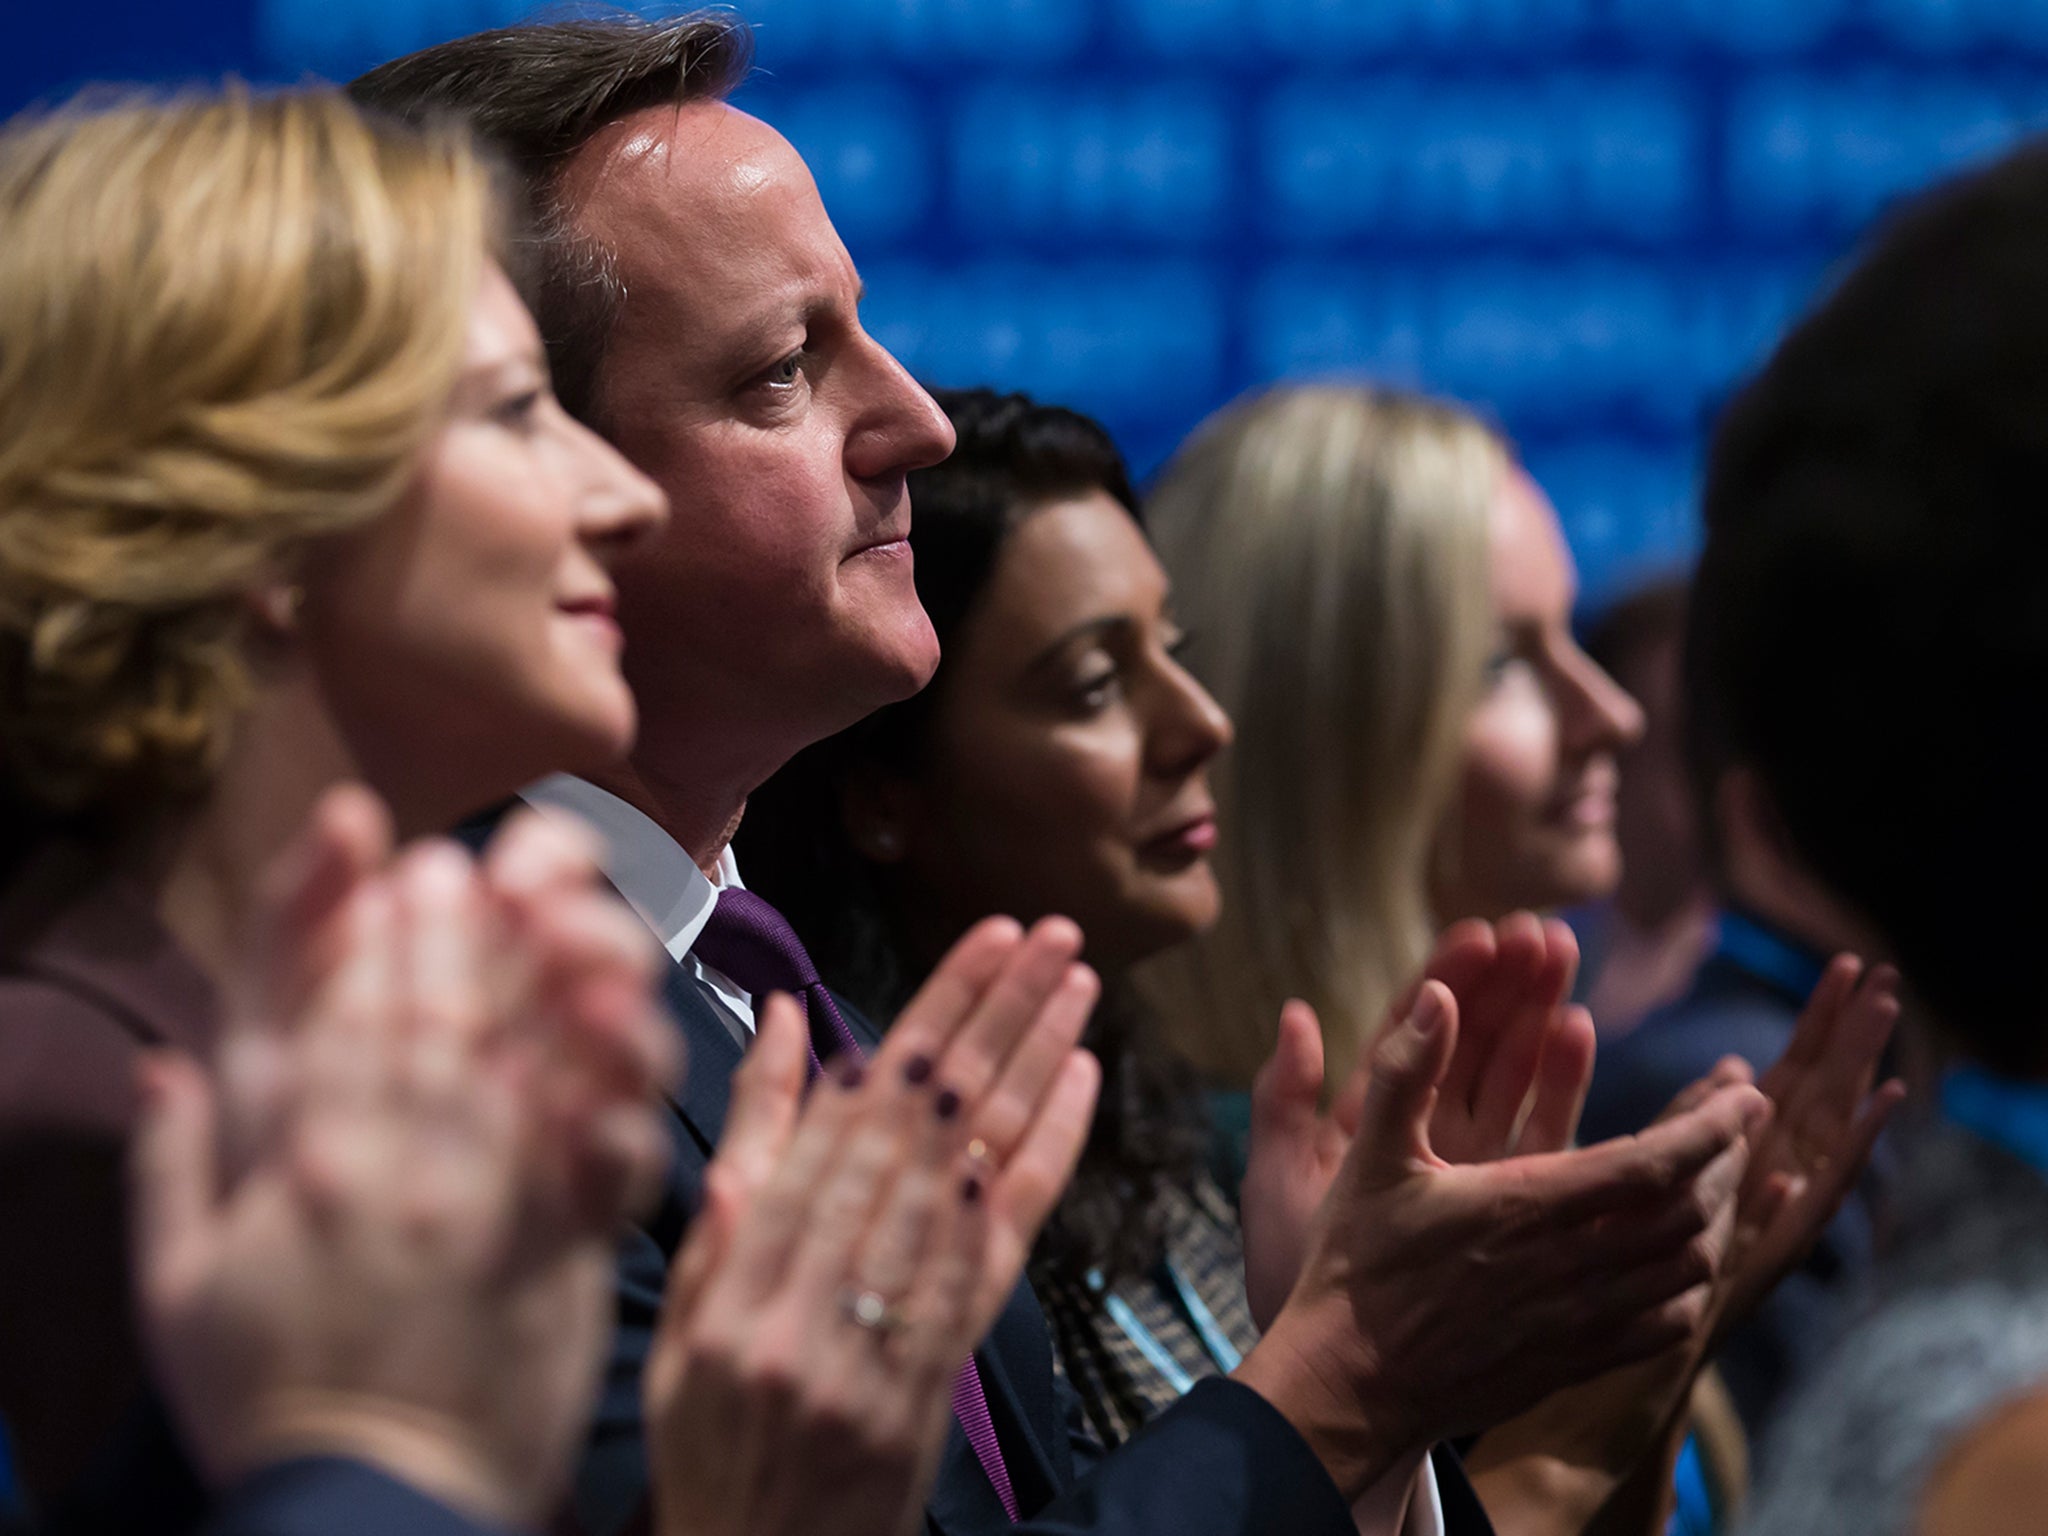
(1744, 1002)
(328, 1496)
(89, 979)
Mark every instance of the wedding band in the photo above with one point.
(870, 1310)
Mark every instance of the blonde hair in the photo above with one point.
(228, 323)
(1329, 552)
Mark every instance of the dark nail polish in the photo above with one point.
(948, 1104)
(917, 1070)
(971, 1190)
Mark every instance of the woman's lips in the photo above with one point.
(594, 617)
(1189, 840)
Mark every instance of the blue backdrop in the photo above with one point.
(1588, 215)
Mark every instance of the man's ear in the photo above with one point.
(881, 813)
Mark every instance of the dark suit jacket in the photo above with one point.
(328, 1496)
(1221, 1461)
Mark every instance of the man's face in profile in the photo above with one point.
(738, 376)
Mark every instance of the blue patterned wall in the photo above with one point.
(1589, 215)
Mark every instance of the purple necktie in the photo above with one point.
(753, 943)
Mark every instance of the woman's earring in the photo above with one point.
(280, 606)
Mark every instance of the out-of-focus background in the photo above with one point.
(1589, 215)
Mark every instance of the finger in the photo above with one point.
(894, 1245)
(1006, 1011)
(1634, 1171)
(704, 1251)
(173, 1174)
(1649, 1232)
(1728, 1072)
(943, 1005)
(861, 1165)
(1828, 1187)
(1408, 1063)
(1505, 1082)
(1563, 946)
(1850, 1063)
(536, 853)
(1838, 982)
(349, 1027)
(767, 1093)
(1289, 1087)
(1012, 1101)
(1563, 1073)
(293, 938)
(1025, 1192)
(945, 1325)
(1463, 957)
(443, 1016)
(617, 1168)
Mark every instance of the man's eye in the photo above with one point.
(786, 372)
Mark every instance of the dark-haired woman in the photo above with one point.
(1058, 763)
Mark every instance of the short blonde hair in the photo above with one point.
(1328, 546)
(228, 324)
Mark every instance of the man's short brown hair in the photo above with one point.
(537, 92)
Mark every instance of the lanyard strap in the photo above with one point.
(1211, 1333)
(1749, 944)
(2004, 1112)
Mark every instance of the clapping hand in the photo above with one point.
(856, 1245)
(1436, 1298)
(1515, 1082)
(380, 1227)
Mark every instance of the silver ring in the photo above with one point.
(870, 1310)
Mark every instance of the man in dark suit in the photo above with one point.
(701, 312)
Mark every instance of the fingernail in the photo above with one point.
(970, 1191)
(1429, 1013)
(848, 1071)
(947, 1104)
(917, 1070)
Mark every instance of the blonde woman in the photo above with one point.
(1380, 597)
(286, 501)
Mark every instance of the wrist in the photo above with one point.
(1537, 1494)
(1311, 1375)
(430, 1452)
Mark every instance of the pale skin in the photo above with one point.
(1533, 822)
(523, 512)
(780, 607)
(379, 1225)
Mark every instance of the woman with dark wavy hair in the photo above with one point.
(1058, 763)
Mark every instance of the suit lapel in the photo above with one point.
(714, 1055)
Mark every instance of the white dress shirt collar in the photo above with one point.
(651, 869)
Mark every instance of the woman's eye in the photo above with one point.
(1096, 692)
(520, 409)
(1177, 643)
